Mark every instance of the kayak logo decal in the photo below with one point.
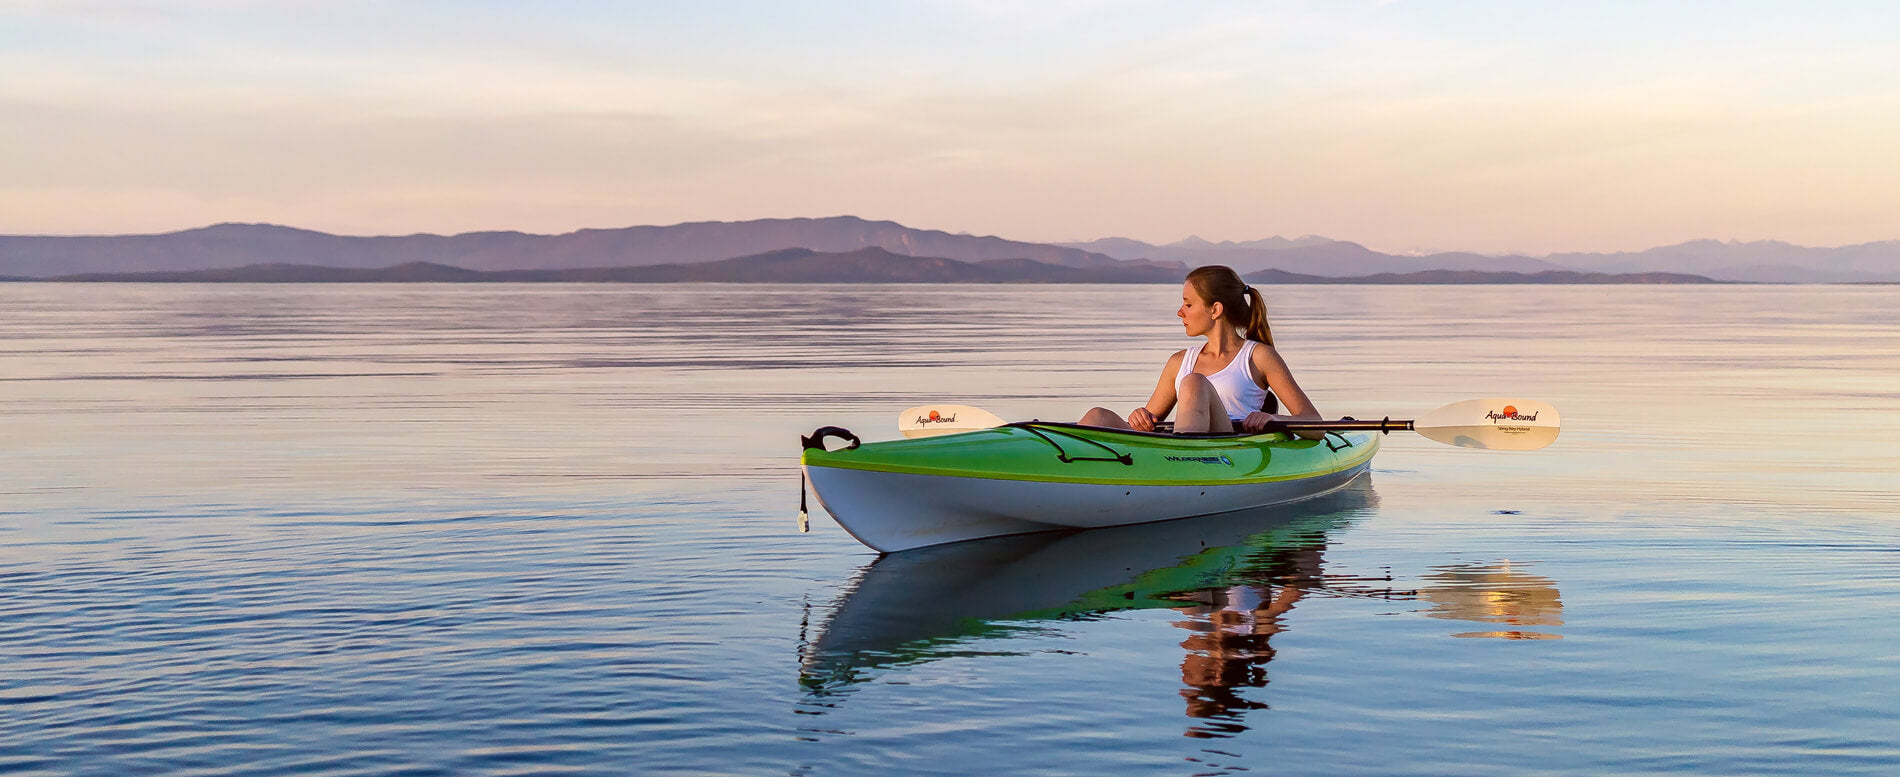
(936, 418)
(1509, 413)
(1202, 459)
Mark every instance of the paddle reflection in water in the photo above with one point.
(1234, 577)
(1494, 593)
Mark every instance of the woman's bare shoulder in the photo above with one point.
(1266, 356)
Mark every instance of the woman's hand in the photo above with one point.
(1257, 422)
(1141, 420)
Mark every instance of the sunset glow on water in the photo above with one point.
(492, 529)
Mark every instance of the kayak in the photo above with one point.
(1041, 476)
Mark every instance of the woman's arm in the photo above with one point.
(1271, 368)
(1162, 402)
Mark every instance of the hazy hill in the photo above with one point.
(1128, 248)
(1769, 261)
(1453, 277)
(874, 265)
(791, 265)
(1765, 261)
(1308, 255)
(236, 245)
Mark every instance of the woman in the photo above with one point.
(1227, 383)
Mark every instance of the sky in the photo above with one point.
(1405, 125)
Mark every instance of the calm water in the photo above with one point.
(488, 530)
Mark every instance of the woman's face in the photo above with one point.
(1197, 316)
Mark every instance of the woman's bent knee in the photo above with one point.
(1196, 388)
(1100, 416)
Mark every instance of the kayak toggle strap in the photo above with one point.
(1063, 455)
(816, 440)
(1343, 442)
(804, 518)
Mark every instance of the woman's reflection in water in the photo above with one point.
(1227, 649)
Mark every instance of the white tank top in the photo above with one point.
(1238, 393)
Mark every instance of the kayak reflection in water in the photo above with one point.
(1229, 383)
(1232, 579)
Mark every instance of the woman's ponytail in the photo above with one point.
(1257, 328)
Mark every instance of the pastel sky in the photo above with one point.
(1402, 124)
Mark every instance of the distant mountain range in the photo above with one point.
(802, 265)
(847, 248)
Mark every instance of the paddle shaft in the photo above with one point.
(1322, 425)
(1497, 424)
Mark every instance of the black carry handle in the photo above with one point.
(816, 440)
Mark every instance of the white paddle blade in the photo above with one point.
(933, 420)
(1497, 424)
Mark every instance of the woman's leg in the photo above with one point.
(1201, 410)
(1102, 416)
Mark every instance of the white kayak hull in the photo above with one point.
(938, 509)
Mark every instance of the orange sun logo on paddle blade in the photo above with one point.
(1509, 411)
(934, 416)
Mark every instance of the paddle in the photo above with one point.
(1495, 424)
(933, 420)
